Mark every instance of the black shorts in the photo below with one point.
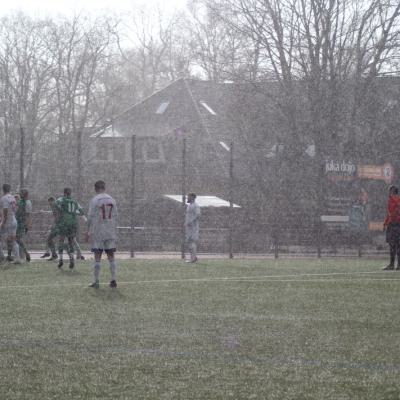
(393, 234)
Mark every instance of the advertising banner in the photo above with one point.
(383, 172)
(347, 171)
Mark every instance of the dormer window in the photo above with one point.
(208, 108)
(162, 107)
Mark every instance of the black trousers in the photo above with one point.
(393, 239)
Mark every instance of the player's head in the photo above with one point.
(51, 200)
(67, 192)
(191, 197)
(393, 189)
(6, 188)
(17, 196)
(99, 186)
(23, 193)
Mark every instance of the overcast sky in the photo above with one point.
(68, 7)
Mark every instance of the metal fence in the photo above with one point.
(284, 240)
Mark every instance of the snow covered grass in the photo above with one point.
(220, 329)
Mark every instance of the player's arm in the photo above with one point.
(81, 212)
(28, 210)
(5, 206)
(79, 209)
(5, 216)
(90, 217)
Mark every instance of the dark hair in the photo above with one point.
(23, 193)
(100, 185)
(6, 188)
(51, 198)
(394, 188)
(67, 191)
(192, 195)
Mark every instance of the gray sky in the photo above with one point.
(68, 7)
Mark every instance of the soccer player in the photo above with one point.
(192, 217)
(67, 225)
(54, 232)
(23, 216)
(102, 230)
(392, 227)
(8, 225)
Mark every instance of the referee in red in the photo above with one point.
(392, 227)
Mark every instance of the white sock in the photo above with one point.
(113, 270)
(193, 250)
(96, 271)
(77, 248)
(15, 249)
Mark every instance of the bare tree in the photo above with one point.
(221, 51)
(79, 49)
(329, 47)
(158, 52)
(26, 80)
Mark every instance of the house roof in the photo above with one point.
(183, 107)
(204, 201)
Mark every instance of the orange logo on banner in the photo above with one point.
(383, 172)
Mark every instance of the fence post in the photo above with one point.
(275, 237)
(318, 233)
(133, 171)
(183, 183)
(231, 201)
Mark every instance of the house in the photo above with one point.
(197, 111)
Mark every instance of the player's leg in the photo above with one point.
(78, 249)
(70, 251)
(192, 248)
(392, 252)
(2, 257)
(15, 247)
(96, 267)
(193, 251)
(21, 243)
(113, 267)
(51, 243)
(61, 250)
(9, 251)
(392, 247)
(397, 245)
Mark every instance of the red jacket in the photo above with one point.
(393, 210)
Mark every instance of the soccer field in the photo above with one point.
(221, 329)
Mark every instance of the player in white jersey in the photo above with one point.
(8, 225)
(192, 217)
(102, 230)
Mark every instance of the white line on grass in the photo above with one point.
(260, 278)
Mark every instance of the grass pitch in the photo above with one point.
(240, 329)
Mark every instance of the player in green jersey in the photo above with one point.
(67, 225)
(23, 216)
(54, 232)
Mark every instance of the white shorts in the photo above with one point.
(8, 230)
(104, 245)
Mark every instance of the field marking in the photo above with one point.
(225, 355)
(256, 278)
